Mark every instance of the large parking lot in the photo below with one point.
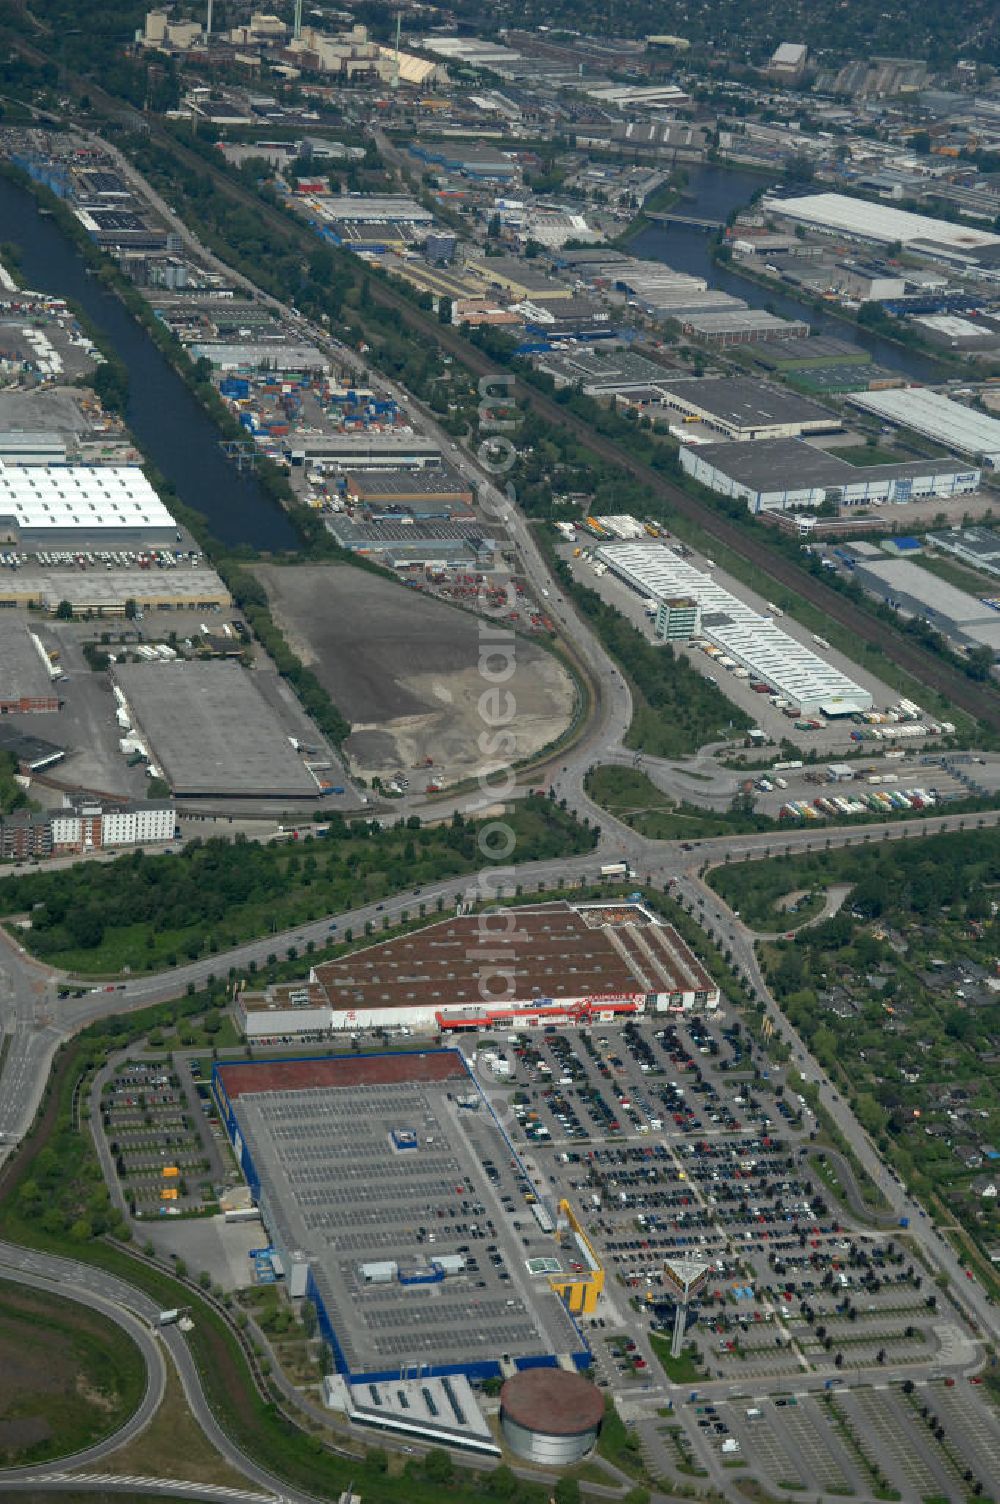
(161, 1148)
(671, 1138)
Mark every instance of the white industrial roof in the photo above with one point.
(795, 671)
(83, 496)
(937, 417)
(855, 216)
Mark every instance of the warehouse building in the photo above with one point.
(432, 491)
(265, 355)
(519, 278)
(571, 965)
(742, 327)
(876, 224)
(602, 373)
(210, 731)
(26, 676)
(81, 507)
(937, 417)
(780, 475)
(976, 546)
(370, 450)
(809, 684)
(868, 284)
(904, 585)
(452, 545)
(743, 409)
(354, 1163)
(107, 592)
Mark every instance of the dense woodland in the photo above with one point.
(144, 912)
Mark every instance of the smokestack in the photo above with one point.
(208, 21)
(298, 20)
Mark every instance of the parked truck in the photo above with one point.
(616, 869)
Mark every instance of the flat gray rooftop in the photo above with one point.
(781, 464)
(746, 402)
(22, 672)
(333, 1186)
(604, 369)
(211, 731)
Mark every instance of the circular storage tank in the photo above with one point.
(550, 1415)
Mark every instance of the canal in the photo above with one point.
(713, 193)
(169, 424)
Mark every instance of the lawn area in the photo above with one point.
(634, 798)
(68, 1376)
(145, 913)
(682, 1370)
(173, 1445)
(868, 454)
(957, 574)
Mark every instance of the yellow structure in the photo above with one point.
(170, 1170)
(581, 1289)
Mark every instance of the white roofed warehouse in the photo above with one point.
(81, 507)
(799, 675)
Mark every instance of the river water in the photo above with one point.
(169, 424)
(713, 193)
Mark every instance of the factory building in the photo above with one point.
(780, 475)
(743, 408)
(81, 507)
(572, 964)
(265, 355)
(797, 674)
(938, 418)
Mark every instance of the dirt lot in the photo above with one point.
(404, 670)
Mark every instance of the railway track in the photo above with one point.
(980, 701)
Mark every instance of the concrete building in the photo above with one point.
(570, 965)
(876, 224)
(353, 452)
(81, 507)
(976, 546)
(292, 360)
(86, 825)
(550, 1416)
(959, 616)
(593, 962)
(441, 1411)
(107, 592)
(797, 674)
(210, 731)
(868, 284)
(678, 619)
(743, 408)
(441, 491)
(26, 675)
(937, 417)
(781, 475)
(742, 327)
